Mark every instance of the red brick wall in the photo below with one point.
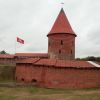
(72, 78)
(64, 50)
(51, 77)
(28, 72)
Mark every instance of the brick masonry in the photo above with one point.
(51, 77)
(53, 73)
(61, 46)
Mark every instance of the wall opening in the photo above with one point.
(34, 81)
(59, 51)
(22, 79)
(71, 51)
(61, 42)
(16, 78)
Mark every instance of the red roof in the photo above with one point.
(46, 62)
(31, 54)
(64, 63)
(61, 25)
(58, 63)
(28, 60)
(6, 56)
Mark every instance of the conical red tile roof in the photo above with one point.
(61, 25)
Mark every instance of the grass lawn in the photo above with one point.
(33, 93)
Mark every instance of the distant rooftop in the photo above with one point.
(6, 56)
(31, 54)
(58, 63)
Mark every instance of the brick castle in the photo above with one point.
(57, 68)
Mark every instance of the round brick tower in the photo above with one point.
(61, 39)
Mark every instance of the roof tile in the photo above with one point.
(58, 63)
(6, 56)
(31, 54)
(61, 25)
(28, 60)
(47, 62)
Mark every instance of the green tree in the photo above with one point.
(3, 52)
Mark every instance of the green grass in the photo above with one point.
(8, 98)
(1, 97)
(34, 93)
(37, 90)
(11, 98)
(87, 97)
(33, 90)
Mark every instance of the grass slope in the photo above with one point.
(33, 93)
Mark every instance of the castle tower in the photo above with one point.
(61, 39)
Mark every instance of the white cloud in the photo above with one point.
(33, 19)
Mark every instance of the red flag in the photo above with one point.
(20, 40)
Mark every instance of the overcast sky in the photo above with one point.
(31, 20)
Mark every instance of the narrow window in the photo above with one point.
(59, 51)
(71, 51)
(61, 42)
(22, 79)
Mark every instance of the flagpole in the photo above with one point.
(21, 41)
(62, 3)
(15, 44)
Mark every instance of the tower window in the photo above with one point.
(22, 79)
(59, 51)
(61, 42)
(71, 51)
